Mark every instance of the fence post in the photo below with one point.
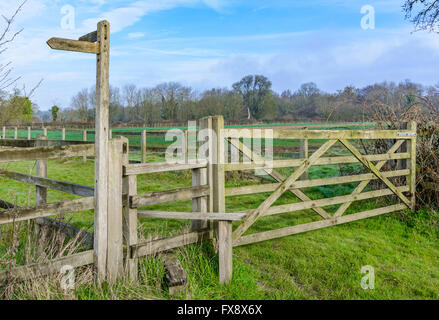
(304, 152)
(129, 218)
(114, 213)
(15, 133)
(143, 145)
(45, 132)
(63, 134)
(224, 228)
(84, 138)
(40, 171)
(411, 165)
(29, 135)
(4, 133)
(185, 146)
(101, 150)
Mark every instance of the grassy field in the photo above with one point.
(322, 264)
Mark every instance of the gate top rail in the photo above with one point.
(326, 134)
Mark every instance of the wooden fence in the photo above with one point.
(119, 246)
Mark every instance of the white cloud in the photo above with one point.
(124, 17)
(135, 35)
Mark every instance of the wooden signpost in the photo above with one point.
(97, 42)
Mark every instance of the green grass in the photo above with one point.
(322, 264)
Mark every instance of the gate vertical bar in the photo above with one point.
(101, 150)
(304, 152)
(411, 165)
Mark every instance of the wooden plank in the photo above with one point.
(175, 275)
(364, 184)
(130, 220)
(73, 45)
(155, 167)
(41, 269)
(375, 171)
(192, 215)
(269, 187)
(47, 210)
(101, 145)
(322, 161)
(45, 153)
(284, 186)
(152, 198)
(279, 233)
(326, 134)
(169, 243)
(114, 214)
(67, 187)
(291, 207)
(89, 37)
(225, 251)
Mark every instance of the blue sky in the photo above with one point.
(213, 43)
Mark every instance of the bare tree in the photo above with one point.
(6, 37)
(424, 14)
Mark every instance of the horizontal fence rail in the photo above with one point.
(42, 269)
(45, 210)
(67, 187)
(46, 153)
(152, 198)
(143, 168)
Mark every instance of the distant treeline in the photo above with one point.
(248, 101)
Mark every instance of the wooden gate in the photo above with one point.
(404, 147)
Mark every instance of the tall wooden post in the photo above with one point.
(224, 231)
(411, 164)
(29, 135)
(97, 42)
(304, 153)
(4, 133)
(101, 150)
(45, 132)
(15, 133)
(129, 219)
(143, 145)
(63, 134)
